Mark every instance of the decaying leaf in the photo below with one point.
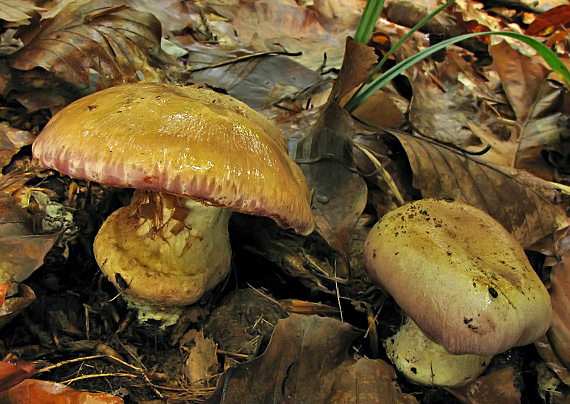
(497, 387)
(21, 251)
(453, 104)
(44, 392)
(85, 36)
(307, 361)
(339, 194)
(523, 81)
(559, 332)
(3, 290)
(551, 360)
(243, 322)
(15, 303)
(555, 17)
(11, 140)
(12, 373)
(285, 25)
(325, 155)
(202, 363)
(17, 10)
(521, 202)
(251, 80)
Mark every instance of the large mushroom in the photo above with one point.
(462, 278)
(193, 156)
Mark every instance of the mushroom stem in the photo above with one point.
(423, 361)
(164, 252)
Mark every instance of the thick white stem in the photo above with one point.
(164, 252)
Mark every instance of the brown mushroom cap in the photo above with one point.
(186, 141)
(459, 275)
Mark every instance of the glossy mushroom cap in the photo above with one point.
(459, 275)
(186, 141)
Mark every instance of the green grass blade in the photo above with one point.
(368, 20)
(409, 34)
(549, 57)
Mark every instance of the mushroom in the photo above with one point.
(422, 361)
(193, 156)
(462, 278)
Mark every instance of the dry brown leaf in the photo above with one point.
(522, 80)
(202, 363)
(307, 362)
(339, 194)
(12, 373)
(11, 140)
(18, 10)
(551, 360)
(497, 387)
(92, 35)
(286, 25)
(559, 332)
(21, 251)
(521, 202)
(555, 17)
(453, 104)
(359, 60)
(3, 290)
(14, 304)
(44, 392)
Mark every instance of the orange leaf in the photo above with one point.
(555, 16)
(12, 373)
(3, 289)
(43, 392)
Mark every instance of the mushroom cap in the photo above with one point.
(422, 361)
(191, 142)
(459, 275)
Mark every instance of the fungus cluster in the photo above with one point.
(193, 156)
(461, 277)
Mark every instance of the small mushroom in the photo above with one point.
(462, 278)
(194, 156)
(422, 361)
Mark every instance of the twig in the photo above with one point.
(92, 376)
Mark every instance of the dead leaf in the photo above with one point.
(359, 60)
(453, 104)
(522, 79)
(15, 303)
(3, 290)
(559, 332)
(18, 10)
(243, 322)
(12, 373)
(44, 392)
(11, 140)
(307, 361)
(174, 15)
(339, 194)
(84, 37)
(497, 387)
(521, 202)
(555, 17)
(285, 25)
(551, 360)
(21, 251)
(202, 363)
(365, 382)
